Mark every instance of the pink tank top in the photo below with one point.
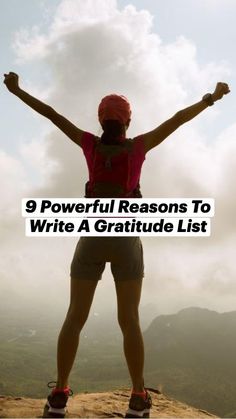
(136, 157)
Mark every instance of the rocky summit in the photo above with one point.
(98, 405)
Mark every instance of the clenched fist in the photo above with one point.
(11, 80)
(220, 90)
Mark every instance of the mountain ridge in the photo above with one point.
(192, 353)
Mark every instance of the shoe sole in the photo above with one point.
(137, 413)
(52, 412)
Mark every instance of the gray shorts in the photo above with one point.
(125, 255)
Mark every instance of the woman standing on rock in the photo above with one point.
(114, 164)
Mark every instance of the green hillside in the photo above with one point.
(191, 354)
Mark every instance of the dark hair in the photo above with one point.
(112, 130)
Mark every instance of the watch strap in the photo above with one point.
(208, 99)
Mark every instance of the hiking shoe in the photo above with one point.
(56, 402)
(138, 406)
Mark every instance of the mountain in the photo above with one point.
(192, 353)
(106, 405)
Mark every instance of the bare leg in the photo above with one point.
(82, 292)
(128, 298)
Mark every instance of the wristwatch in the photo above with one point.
(208, 99)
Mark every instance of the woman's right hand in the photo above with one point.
(220, 90)
(11, 80)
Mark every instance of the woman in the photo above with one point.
(109, 178)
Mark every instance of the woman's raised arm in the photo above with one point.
(155, 137)
(11, 80)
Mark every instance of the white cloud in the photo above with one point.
(13, 182)
(91, 49)
(30, 45)
(34, 155)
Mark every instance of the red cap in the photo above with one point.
(114, 107)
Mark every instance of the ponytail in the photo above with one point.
(113, 130)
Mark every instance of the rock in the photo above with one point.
(106, 405)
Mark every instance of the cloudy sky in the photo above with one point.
(163, 56)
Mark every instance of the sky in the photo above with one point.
(163, 56)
